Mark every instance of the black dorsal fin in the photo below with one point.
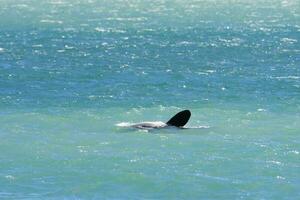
(180, 119)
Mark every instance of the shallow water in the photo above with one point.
(71, 70)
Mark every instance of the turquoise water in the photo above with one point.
(71, 70)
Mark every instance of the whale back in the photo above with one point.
(180, 119)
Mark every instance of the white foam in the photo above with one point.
(261, 110)
(124, 124)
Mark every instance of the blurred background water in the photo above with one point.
(71, 70)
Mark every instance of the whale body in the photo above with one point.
(178, 120)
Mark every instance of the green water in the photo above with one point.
(71, 70)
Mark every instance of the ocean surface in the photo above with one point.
(70, 70)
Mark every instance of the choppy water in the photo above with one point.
(71, 70)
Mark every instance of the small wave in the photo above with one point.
(10, 177)
(37, 46)
(21, 6)
(51, 21)
(57, 3)
(98, 29)
(288, 40)
(198, 127)
(134, 19)
(285, 77)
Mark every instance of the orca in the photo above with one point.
(178, 120)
